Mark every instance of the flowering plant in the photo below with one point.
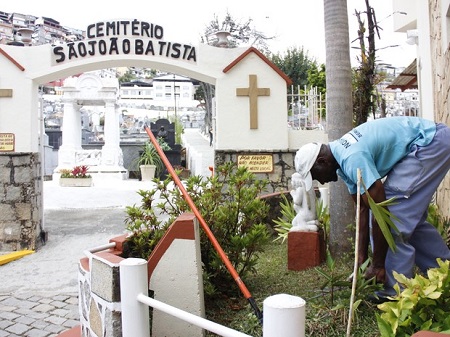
(76, 172)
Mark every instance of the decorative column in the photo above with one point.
(71, 135)
(112, 156)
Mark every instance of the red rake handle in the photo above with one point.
(196, 212)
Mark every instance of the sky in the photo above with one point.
(293, 23)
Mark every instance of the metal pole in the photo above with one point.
(42, 153)
(205, 226)
(355, 265)
(133, 282)
(191, 318)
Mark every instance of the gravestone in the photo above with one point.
(163, 128)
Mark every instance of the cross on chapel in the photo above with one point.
(253, 92)
(5, 93)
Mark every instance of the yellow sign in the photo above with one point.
(257, 163)
(6, 142)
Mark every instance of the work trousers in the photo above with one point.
(413, 181)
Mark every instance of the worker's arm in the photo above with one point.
(380, 245)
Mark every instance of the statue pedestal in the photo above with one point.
(305, 250)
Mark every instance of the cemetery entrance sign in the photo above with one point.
(124, 37)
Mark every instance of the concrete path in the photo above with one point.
(39, 292)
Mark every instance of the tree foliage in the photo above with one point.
(317, 78)
(296, 64)
(127, 77)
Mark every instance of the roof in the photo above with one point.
(262, 57)
(172, 78)
(137, 83)
(407, 78)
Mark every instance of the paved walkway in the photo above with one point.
(39, 292)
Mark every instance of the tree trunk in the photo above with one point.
(209, 92)
(339, 115)
(440, 54)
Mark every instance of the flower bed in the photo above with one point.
(77, 177)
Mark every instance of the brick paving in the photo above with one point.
(32, 315)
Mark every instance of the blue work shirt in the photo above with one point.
(376, 146)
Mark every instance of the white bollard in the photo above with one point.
(284, 315)
(134, 281)
(324, 196)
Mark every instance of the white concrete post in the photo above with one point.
(112, 156)
(111, 128)
(134, 281)
(71, 136)
(284, 315)
(71, 127)
(324, 196)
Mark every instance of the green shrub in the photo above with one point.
(441, 223)
(284, 223)
(230, 206)
(144, 226)
(423, 304)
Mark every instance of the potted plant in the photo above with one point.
(149, 161)
(77, 177)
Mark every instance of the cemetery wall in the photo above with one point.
(21, 194)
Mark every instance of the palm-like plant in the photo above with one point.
(150, 155)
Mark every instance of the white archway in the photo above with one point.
(234, 72)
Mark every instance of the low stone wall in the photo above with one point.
(21, 202)
(283, 166)
(283, 159)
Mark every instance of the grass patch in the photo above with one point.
(326, 309)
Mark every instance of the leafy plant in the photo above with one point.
(337, 285)
(332, 280)
(438, 221)
(423, 304)
(323, 215)
(284, 223)
(383, 217)
(229, 204)
(150, 155)
(145, 227)
(179, 130)
(77, 172)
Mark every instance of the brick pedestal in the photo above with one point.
(305, 250)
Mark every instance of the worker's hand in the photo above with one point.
(378, 272)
